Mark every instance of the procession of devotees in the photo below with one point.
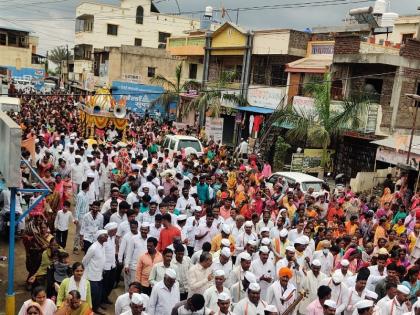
(171, 234)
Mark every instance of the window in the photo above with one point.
(278, 75)
(193, 71)
(183, 144)
(138, 41)
(162, 39)
(3, 38)
(139, 15)
(112, 29)
(373, 89)
(151, 72)
(405, 37)
(172, 145)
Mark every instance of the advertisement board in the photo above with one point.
(35, 76)
(139, 98)
(214, 128)
(266, 97)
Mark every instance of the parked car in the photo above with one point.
(306, 181)
(174, 143)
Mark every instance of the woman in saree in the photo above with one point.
(386, 197)
(36, 239)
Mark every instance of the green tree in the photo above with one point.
(173, 89)
(211, 99)
(319, 126)
(59, 54)
(281, 148)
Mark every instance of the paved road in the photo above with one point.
(21, 274)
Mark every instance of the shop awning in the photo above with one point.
(255, 109)
(400, 143)
(310, 65)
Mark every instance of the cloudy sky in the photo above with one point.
(53, 20)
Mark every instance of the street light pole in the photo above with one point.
(416, 99)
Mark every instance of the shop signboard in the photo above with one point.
(214, 128)
(266, 97)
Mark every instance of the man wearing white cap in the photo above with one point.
(223, 262)
(399, 305)
(237, 274)
(280, 244)
(244, 237)
(250, 248)
(165, 294)
(94, 262)
(330, 308)
(239, 289)
(325, 257)
(252, 304)
(339, 290)
(223, 303)
(136, 306)
(391, 291)
(365, 307)
(310, 284)
(212, 293)
(110, 267)
(357, 292)
(347, 274)
(137, 246)
(264, 269)
(265, 222)
(225, 234)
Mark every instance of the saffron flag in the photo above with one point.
(29, 144)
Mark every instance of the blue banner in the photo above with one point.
(139, 98)
(36, 76)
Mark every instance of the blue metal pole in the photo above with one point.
(10, 296)
(38, 200)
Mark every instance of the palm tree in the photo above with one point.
(211, 99)
(173, 90)
(59, 54)
(320, 125)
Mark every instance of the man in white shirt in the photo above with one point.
(105, 181)
(223, 303)
(165, 294)
(200, 275)
(137, 305)
(391, 291)
(282, 293)
(181, 263)
(123, 249)
(244, 237)
(211, 294)
(94, 262)
(192, 227)
(399, 305)
(133, 195)
(357, 293)
(122, 304)
(110, 267)
(92, 222)
(121, 215)
(325, 257)
(339, 290)
(264, 269)
(159, 269)
(205, 232)
(185, 202)
(223, 262)
(310, 284)
(61, 224)
(252, 304)
(137, 246)
(77, 172)
(238, 272)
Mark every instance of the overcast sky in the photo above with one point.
(43, 16)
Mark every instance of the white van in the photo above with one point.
(306, 181)
(174, 143)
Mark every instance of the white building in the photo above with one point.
(133, 22)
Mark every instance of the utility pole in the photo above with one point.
(46, 64)
(237, 16)
(67, 57)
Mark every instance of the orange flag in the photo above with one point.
(29, 144)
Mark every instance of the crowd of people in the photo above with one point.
(188, 234)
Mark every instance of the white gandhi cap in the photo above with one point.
(403, 289)
(170, 273)
(223, 297)
(137, 299)
(330, 303)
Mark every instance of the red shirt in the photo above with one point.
(167, 236)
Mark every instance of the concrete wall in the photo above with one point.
(271, 43)
(129, 60)
(365, 181)
(18, 57)
(128, 30)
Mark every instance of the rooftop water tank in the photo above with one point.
(380, 7)
(208, 12)
(388, 19)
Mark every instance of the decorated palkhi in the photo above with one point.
(100, 112)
